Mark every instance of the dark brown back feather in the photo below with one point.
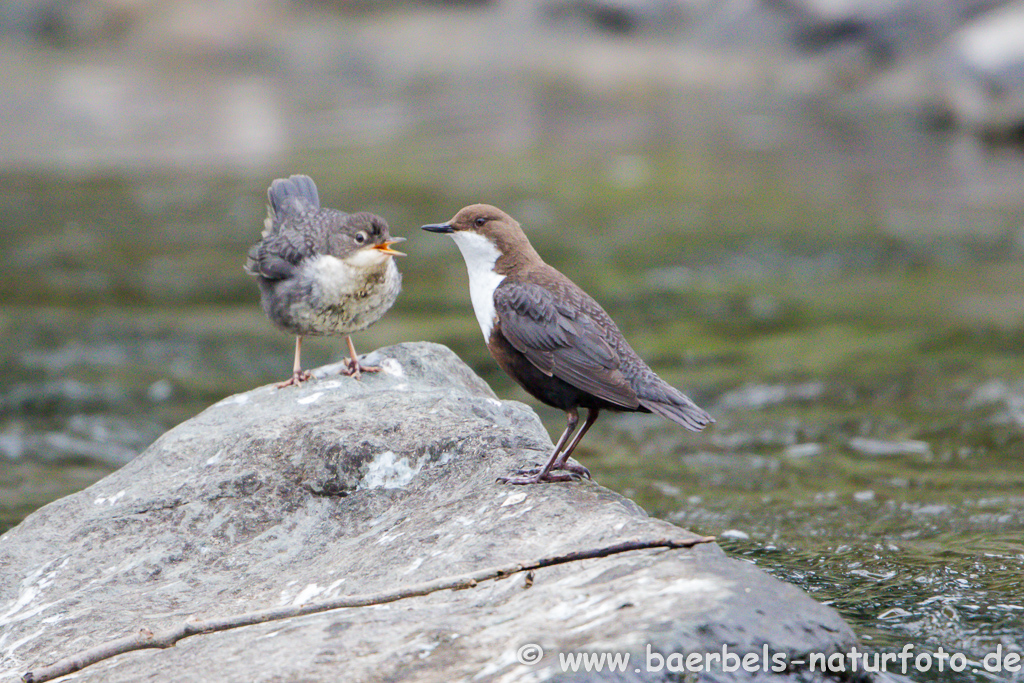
(562, 340)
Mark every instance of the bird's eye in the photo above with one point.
(480, 221)
(360, 237)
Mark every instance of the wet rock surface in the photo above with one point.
(277, 497)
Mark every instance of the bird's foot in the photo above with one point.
(297, 378)
(579, 470)
(539, 478)
(536, 475)
(353, 368)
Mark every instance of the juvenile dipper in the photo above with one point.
(321, 271)
(553, 338)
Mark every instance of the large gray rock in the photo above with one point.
(277, 497)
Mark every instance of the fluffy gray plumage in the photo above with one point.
(303, 292)
(321, 271)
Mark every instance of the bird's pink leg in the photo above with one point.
(352, 366)
(298, 374)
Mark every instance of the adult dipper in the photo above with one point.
(553, 338)
(321, 271)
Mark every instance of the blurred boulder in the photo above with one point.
(982, 79)
(884, 29)
(626, 17)
(881, 30)
(64, 23)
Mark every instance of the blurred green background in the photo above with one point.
(808, 217)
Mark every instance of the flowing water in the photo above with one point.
(856, 327)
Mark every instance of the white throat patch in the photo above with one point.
(480, 255)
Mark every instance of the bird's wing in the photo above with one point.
(293, 204)
(562, 341)
(296, 236)
(278, 254)
(295, 229)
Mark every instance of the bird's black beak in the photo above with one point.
(439, 227)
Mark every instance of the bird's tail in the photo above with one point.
(674, 405)
(289, 195)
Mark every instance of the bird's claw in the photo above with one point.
(537, 479)
(532, 471)
(534, 475)
(297, 378)
(577, 469)
(353, 368)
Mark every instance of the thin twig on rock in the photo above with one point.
(146, 638)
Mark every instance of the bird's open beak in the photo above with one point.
(438, 227)
(385, 247)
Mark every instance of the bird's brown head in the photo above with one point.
(495, 227)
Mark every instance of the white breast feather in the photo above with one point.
(340, 278)
(480, 255)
